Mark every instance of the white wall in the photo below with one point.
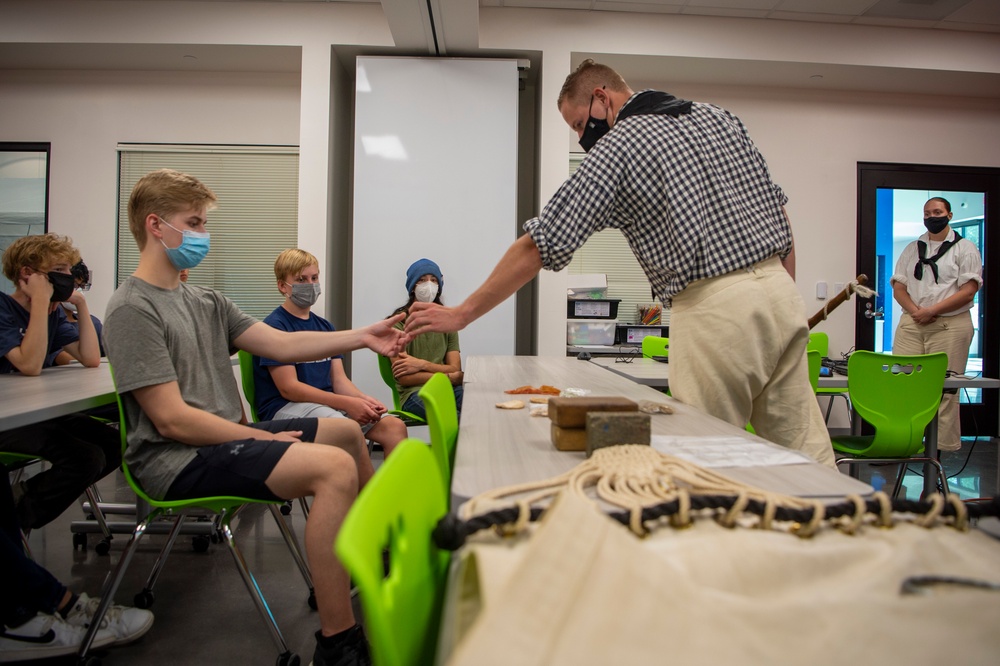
(811, 139)
(86, 114)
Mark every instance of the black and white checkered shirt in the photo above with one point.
(692, 195)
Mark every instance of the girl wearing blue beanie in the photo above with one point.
(427, 353)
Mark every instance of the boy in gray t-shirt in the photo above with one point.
(170, 345)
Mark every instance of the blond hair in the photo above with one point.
(292, 262)
(165, 192)
(39, 253)
(579, 85)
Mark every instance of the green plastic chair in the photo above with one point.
(653, 345)
(246, 378)
(385, 370)
(820, 342)
(15, 463)
(226, 508)
(250, 393)
(397, 511)
(899, 396)
(442, 421)
(815, 363)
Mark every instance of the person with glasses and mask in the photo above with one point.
(33, 331)
(82, 280)
(687, 187)
(320, 388)
(935, 281)
(428, 352)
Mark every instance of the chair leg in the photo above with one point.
(254, 590)
(305, 507)
(900, 473)
(852, 466)
(111, 585)
(293, 546)
(161, 559)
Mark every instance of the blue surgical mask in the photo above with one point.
(193, 248)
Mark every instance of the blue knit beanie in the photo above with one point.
(420, 268)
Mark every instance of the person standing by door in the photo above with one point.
(935, 281)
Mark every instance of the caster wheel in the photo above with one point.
(103, 547)
(144, 599)
(286, 508)
(89, 661)
(312, 600)
(80, 541)
(288, 659)
(216, 538)
(200, 543)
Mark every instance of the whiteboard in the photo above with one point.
(435, 173)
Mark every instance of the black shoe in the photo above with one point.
(350, 649)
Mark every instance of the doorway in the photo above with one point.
(890, 215)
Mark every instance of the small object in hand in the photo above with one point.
(650, 407)
(511, 404)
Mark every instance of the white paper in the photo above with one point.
(726, 451)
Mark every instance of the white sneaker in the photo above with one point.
(46, 636)
(126, 624)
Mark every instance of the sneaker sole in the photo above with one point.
(40, 651)
(134, 637)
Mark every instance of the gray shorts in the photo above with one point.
(312, 410)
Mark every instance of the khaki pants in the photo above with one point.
(738, 352)
(951, 335)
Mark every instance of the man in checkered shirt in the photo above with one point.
(693, 196)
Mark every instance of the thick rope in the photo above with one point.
(649, 486)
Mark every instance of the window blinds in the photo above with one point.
(256, 217)
(608, 252)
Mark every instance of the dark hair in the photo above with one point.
(947, 204)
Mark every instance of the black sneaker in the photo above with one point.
(350, 650)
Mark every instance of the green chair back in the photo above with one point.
(898, 396)
(12, 460)
(397, 511)
(653, 345)
(819, 341)
(442, 421)
(385, 370)
(249, 387)
(815, 363)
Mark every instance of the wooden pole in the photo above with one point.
(836, 301)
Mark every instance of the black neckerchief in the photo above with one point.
(918, 270)
(654, 102)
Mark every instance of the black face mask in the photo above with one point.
(935, 224)
(62, 286)
(595, 129)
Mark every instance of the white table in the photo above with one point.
(652, 373)
(58, 391)
(504, 447)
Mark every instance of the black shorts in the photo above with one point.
(239, 468)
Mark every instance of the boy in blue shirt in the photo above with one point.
(33, 330)
(318, 389)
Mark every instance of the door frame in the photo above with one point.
(976, 419)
